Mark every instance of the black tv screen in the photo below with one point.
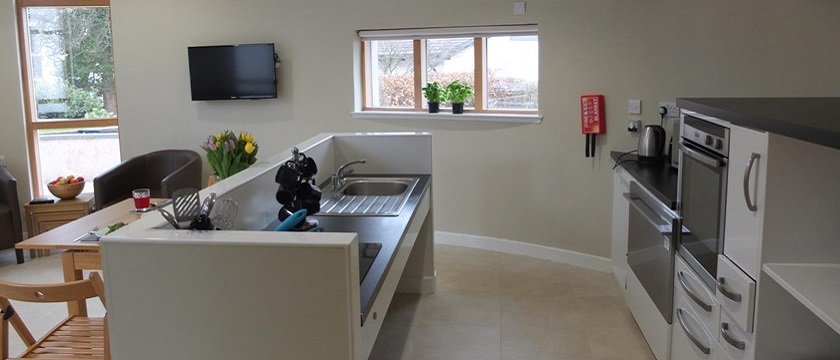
(225, 72)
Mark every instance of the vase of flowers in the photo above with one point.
(229, 154)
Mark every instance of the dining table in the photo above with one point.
(80, 254)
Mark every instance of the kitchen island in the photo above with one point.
(249, 293)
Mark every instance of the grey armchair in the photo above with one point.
(162, 172)
(11, 227)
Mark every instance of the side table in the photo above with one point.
(43, 217)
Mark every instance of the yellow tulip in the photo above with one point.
(218, 144)
(249, 147)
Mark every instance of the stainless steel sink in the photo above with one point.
(375, 188)
(367, 196)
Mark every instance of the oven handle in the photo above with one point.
(701, 157)
(647, 213)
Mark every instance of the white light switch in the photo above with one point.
(634, 107)
(519, 8)
(2, 160)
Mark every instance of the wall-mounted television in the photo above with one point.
(230, 72)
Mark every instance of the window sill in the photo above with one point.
(443, 116)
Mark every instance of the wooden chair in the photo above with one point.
(76, 337)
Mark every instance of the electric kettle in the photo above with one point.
(651, 142)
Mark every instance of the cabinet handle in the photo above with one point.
(726, 292)
(691, 294)
(750, 205)
(705, 349)
(724, 333)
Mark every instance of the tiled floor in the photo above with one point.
(487, 306)
(490, 305)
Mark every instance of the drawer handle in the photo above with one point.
(726, 292)
(691, 294)
(705, 349)
(724, 332)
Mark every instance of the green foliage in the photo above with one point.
(458, 92)
(81, 101)
(99, 113)
(434, 93)
(86, 38)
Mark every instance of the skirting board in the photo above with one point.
(573, 258)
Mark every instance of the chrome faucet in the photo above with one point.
(338, 178)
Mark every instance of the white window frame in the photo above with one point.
(480, 34)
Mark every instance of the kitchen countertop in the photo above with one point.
(814, 285)
(657, 177)
(386, 230)
(816, 120)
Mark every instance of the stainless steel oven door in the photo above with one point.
(653, 232)
(701, 202)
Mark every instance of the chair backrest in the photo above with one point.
(162, 171)
(41, 293)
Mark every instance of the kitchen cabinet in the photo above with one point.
(689, 288)
(788, 244)
(696, 316)
(745, 198)
(620, 215)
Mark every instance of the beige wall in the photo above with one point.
(527, 183)
(12, 136)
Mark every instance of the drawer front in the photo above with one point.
(736, 293)
(698, 297)
(43, 222)
(736, 342)
(690, 339)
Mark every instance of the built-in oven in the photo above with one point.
(652, 235)
(701, 201)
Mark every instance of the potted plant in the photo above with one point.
(457, 93)
(434, 95)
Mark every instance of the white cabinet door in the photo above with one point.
(745, 198)
(620, 216)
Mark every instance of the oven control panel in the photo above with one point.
(711, 137)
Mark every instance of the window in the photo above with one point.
(68, 83)
(500, 63)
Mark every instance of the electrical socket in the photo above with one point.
(633, 125)
(672, 110)
(2, 160)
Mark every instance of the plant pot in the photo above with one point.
(458, 108)
(434, 107)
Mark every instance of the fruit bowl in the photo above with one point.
(67, 191)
